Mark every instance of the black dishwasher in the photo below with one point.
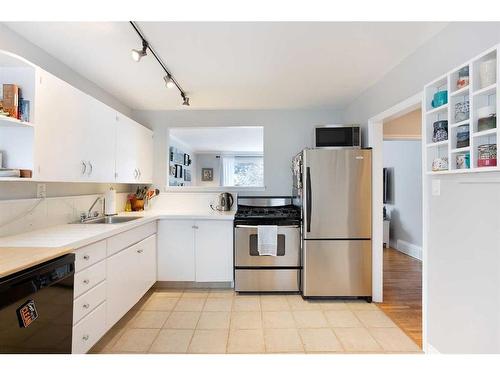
(36, 308)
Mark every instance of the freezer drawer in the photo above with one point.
(266, 280)
(337, 268)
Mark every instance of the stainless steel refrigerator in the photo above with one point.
(333, 187)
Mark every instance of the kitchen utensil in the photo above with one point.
(224, 202)
(463, 161)
(462, 111)
(487, 155)
(463, 77)
(463, 136)
(488, 72)
(440, 164)
(440, 98)
(440, 131)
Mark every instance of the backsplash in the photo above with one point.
(24, 215)
(192, 202)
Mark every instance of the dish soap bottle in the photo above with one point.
(128, 205)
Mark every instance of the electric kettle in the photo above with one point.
(224, 202)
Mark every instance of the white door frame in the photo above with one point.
(375, 141)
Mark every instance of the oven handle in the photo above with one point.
(255, 226)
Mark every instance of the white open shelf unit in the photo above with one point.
(17, 137)
(478, 97)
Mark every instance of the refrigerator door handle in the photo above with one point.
(308, 199)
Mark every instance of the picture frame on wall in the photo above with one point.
(187, 160)
(207, 174)
(178, 171)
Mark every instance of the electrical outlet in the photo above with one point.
(41, 190)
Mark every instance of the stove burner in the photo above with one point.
(279, 212)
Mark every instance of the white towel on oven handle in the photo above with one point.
(267, 240)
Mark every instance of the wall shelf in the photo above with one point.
(477, 97)
(14, 122)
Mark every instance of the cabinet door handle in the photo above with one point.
(85, 337)
(194, 227)
(86, 257)
(86, 306)
(91, 168)
(140, 251)
(135, 173)
(86, 281)
(84, 167)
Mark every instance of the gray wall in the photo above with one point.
(286, 132)
(464, 224)
(404, 158)
(13, 42)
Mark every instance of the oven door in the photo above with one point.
(246, 254)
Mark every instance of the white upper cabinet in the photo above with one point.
(134, 151)
(71, 136)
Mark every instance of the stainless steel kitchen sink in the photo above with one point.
(110, 220)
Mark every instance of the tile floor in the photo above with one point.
(221, 321)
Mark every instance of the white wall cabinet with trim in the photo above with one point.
(195, 250)
(134, 151)
(70, 136)
(74, 134)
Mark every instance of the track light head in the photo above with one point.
(185, 100)
(137, 55)
(169, 82)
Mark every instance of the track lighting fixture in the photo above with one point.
(169, 82)
(137, 55)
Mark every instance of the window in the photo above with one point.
(243, 171)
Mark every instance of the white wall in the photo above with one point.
(404, 158)
(286, 132)
(463, 244)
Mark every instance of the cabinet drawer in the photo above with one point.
(89, 330)
(89, 277)
(89, 301)
(89, 255)
(130, 237)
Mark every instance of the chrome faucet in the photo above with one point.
(91, 215)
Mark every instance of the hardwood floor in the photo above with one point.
(403, 292)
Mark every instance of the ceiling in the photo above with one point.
(224, 139)
(250, 65)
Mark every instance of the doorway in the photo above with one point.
(398, 266)
(402, 263)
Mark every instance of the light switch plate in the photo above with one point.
(436, 187)
(41, 190)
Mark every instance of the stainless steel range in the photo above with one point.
(254, 272)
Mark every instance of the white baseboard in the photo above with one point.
(431, 350)
(407, 248)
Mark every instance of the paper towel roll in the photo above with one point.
(110, 202)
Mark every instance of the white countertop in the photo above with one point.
(78, 235)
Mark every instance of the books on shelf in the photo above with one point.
(12, 103)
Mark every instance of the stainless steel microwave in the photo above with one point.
(338, 136)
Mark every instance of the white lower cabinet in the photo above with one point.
(200, 251)
(89, 330)
(214, 250)
(130, 273)
(106, 287)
